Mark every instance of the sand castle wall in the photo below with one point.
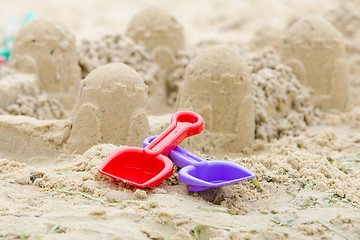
(111, 108)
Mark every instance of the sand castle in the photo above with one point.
(315, 51)
(217, 85)
(51, 46)
(155, 28)
(111, 108)
(163, 37)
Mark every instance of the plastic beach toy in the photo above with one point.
(148, 167)
(200, 174)
(4, 53)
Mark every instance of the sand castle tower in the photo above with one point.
(163, 37)
(52, 46)
(217, 85)
(110, 108)
(155, 27)
(315, 51)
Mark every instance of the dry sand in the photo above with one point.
(306, 159)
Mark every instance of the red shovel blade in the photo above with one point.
(132, 166)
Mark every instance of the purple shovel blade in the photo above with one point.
(212, 174)
(201, 175)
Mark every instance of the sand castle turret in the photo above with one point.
(163, 36)
(52, 46)
(111, 108)
(217, 85)
(315, 51)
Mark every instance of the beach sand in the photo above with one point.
(259, 108)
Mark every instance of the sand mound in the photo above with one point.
(39, 107)
(14, 84)
(113, 49)
(282, 103)
(20, 94)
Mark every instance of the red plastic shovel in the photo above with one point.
(148, 167)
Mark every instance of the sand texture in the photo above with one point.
(276, 83)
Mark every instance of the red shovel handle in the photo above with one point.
(183, 124)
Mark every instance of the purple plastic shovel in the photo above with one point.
(200, 174)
